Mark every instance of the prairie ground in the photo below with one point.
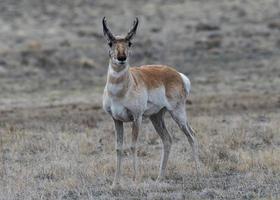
(56, 141)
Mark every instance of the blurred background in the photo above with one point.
(56, 141)
(58, 45)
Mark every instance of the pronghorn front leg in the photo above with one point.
(119, 150)
(135, 132)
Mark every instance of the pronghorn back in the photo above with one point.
(155, 76)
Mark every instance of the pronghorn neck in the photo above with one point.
(118, 81)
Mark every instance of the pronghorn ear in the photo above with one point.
(132, 31)
(107, 33)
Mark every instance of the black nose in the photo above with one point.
(122, 58)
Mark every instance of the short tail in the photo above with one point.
(187, 83)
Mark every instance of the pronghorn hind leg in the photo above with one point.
(158, 122)
(135, 132)
(119, 151)
(180, 117)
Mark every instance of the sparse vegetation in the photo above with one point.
(57, 143)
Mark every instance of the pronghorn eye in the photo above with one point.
(110, 44)
(129, 44)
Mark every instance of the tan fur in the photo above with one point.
(154, 76)
(120, 48)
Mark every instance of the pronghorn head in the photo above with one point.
(119, 45)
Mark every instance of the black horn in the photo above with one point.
(107, 33)
(132, 31)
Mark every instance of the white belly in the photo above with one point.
(146, 104)
(156, 101)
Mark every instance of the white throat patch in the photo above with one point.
(116, 74)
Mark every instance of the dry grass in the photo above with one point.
(57, 143)
(240, 156)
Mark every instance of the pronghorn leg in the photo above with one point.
(135, 131)
(180, 117)
(119, 150)
(158, 122)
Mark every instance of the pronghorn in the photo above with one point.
(132, 93)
